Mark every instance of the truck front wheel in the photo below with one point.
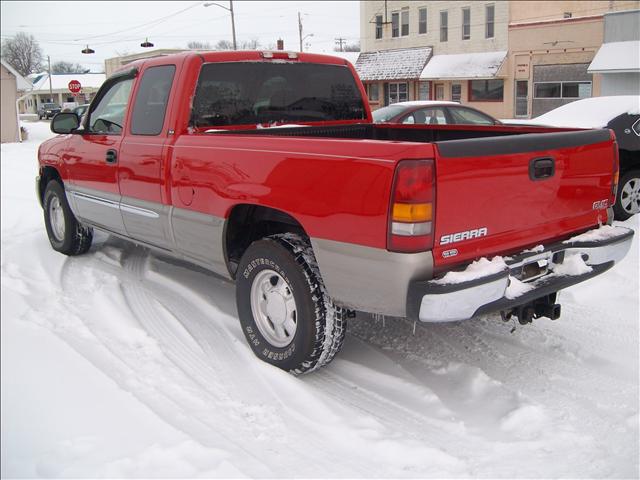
(66, 235)
(286, 314)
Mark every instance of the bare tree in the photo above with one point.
(349, 47)
(23, 53)
(198, 45)
(68, 67)
(224, 45)
(253, 44)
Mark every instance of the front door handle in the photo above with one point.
(542, 168)
(112, 156)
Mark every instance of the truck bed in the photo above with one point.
(484, 181)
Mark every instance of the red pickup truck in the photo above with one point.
(266, 168)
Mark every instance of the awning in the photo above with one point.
(464, 66)
(400, 64)
(617, 57)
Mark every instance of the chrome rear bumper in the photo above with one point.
(558, 266)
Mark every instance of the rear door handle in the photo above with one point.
(542, 168)
(112, 156)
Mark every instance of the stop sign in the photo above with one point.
(74, 86)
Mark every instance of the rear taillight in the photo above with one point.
(412, 211)
(616, 174)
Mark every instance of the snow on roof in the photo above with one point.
(594, 112)
(464, 65)
(60, 81)
(400, 64)
(617, 57)
(21, 82)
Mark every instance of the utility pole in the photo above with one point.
(50, 87)
(300, 29)
(233, 20)
(233, 25)
(341, 41)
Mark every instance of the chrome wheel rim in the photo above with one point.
(56, 217)
(630, 196)
(274, 308)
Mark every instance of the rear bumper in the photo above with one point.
(443, 301)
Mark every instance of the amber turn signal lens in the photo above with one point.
(412, 212)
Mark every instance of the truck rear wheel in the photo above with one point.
(286, 314)
(628, 197)
(66, 235)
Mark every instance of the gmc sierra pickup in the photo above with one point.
(266, 168)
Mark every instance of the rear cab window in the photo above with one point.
(258, 93)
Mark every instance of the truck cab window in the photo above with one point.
(151, 100)
(250, 93)
(108, 116)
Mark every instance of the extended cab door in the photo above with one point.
(141, 169)
(92, 156)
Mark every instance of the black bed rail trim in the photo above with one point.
(530, 142)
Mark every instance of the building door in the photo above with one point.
(439, 91)
(522, 98)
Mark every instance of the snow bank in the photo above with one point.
(594, 112)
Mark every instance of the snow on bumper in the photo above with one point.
(503, 283)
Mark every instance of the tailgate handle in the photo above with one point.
(542, 168)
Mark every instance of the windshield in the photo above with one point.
(244, 93)
(387, 113)
(51, 105)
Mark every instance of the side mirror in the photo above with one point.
(65, 122)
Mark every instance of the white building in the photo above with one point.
(58, 90)
(12, 86)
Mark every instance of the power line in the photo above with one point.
(341, 41)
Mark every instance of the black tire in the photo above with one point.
(321, 325)
(627, 206)
(76, 238)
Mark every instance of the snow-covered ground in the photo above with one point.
(123, 363)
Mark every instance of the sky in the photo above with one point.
(63, 29)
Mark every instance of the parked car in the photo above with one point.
(329, 212)
(48, 110)
(622, 115)
(432, 113)
(80, 110)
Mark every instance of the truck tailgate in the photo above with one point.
(503, 194)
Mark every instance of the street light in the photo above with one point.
(233, 21)
(146, 43)
(304, 38)
(88, 50)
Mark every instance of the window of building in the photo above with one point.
(422, 20)
(373, 92)
(398, 92)
(490, 13)
(444, 26)
(562, 89)
(423, 91)
(151, 100)
(456, 92)
(405, 23)
(567, 15)
(395, 24)
(486, 90)
(378, 26)
(466, 23)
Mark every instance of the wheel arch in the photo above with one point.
(247, 223)
(47, 173)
